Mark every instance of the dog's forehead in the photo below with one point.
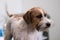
(37, 11)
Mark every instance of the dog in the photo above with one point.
(28, 26)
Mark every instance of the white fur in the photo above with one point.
(21, 31)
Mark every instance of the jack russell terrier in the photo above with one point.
(28, 26)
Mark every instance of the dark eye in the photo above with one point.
(39, 16)
(46, 15)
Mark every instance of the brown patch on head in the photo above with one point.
(34, 16)
(27, 17)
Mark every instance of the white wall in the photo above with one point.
(14, 6)
(51, 6)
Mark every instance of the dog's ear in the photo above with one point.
(28, 17)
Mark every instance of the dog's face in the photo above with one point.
(38, 18)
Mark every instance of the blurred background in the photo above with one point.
(20, 6)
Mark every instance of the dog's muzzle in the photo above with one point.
(40, 27)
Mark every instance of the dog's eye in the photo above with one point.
(39, 16)
(46, 15)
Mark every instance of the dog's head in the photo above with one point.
(38, 18)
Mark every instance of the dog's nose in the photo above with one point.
(48, 24)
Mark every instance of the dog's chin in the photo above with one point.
(42, 28)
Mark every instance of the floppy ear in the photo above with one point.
(28, 17)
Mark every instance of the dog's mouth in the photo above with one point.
(40, 28)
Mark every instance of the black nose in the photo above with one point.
(48, 24)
